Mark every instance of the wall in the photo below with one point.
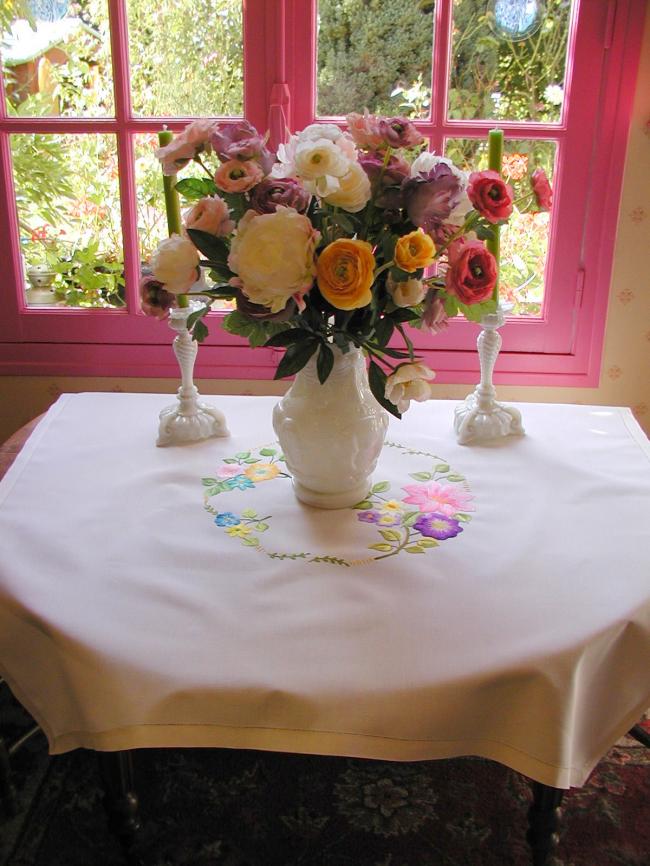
(625, 376)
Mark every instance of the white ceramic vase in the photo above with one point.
(332, 434)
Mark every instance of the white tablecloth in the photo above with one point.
(182, 597)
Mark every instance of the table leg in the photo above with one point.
(121, 800)
(7, 790)
(543, 823)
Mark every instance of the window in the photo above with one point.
(89, 84)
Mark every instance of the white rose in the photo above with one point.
(175, 264)
(407, 293)
(320, 130)
(321, 162)
(273, 256)
(409, 382)
(354, 191)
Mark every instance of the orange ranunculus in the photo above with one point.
(414, 250)
(345, 273)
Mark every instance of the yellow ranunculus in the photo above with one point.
(414, 250)
(345, 273)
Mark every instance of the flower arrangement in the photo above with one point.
(342, 239)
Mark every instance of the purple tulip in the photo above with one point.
(386, 182)
(271, 192)
(431, 197)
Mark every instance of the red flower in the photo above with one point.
(490, 195)
(472, 272)
(542, 189)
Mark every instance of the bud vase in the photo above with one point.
(331, 435)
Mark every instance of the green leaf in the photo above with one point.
(250, 460)
(485, 232)
(404, 314)
(428, 543)
(415, 548)
(208, 482)
(213, 248)
(295, 358)
(229, 460)
(421, 476)
(455, 478)
(248, 512)
(194, 188)
(442, 467)
(251, 541)
(384, 331)
(324, 363)
(377, 382)
(268, 452)
(242, 455)
(465, 518)
(383, 548)
(261, 527)
(200, 331)
(410, 518)
(451, 306)
(362, 506)
(390, 534)
(288, 337)
(380, 487)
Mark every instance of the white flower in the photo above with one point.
(320, 158)
(175, 263)
(554, 94)
(409, 382)
(273, 256)
(354, 190)
(407, 293)
(320, 130)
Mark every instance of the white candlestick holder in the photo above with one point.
(480, 418)
(188, 420)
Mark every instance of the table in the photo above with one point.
(182, 597)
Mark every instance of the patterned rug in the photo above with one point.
(245, 808)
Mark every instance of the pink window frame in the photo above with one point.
(562, 348)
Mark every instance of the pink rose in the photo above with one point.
(434, 318)
(238, 176)
(198, 133)
(490, 195)
(542, 189)
(210, 215)
(364, 129)
(175, 155)
(472, 272)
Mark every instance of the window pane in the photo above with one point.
(152, 221)
(69, 219)
(524, 241)
(375, 54)
(186, 57)
(508, 59)
(61, 63)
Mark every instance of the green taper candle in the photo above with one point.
(172, 203)
(495, 158)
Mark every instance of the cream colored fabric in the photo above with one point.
(130, 618)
